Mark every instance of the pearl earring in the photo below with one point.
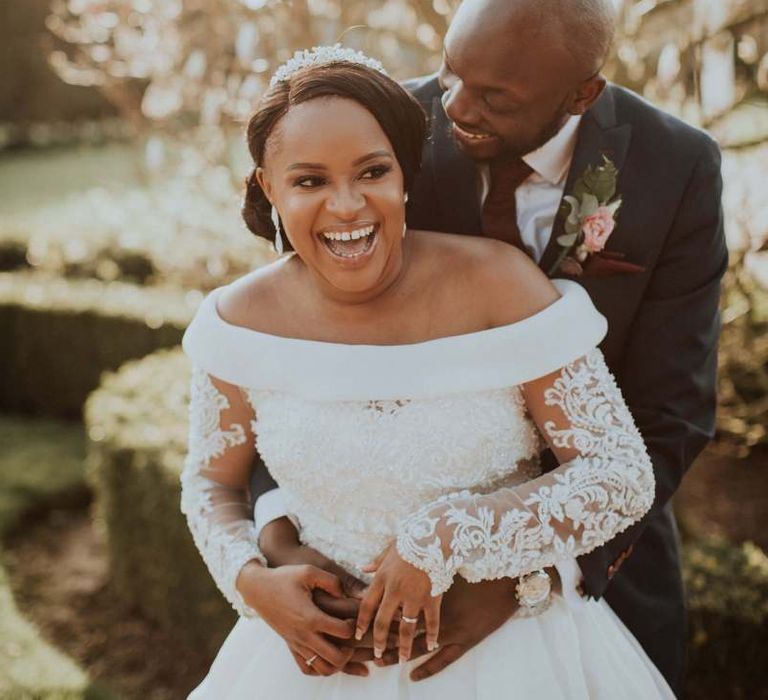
(278, 237)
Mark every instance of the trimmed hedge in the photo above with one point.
(59, 336)
(137, 424)
(41, 463)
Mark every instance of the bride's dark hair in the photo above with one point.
(397, 112)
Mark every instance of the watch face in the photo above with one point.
(535, 589)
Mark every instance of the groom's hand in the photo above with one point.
(279, 542)
(470, 612)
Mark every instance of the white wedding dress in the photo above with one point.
(435, 444)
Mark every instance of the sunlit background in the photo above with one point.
(122, 159)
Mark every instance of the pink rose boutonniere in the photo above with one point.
(592, 209)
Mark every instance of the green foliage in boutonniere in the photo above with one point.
(591, 218)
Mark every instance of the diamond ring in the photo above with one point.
(311, 660)
(409, 620)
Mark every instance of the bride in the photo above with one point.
(423, 371)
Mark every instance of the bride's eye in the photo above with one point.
(308, 181)
(375, 172)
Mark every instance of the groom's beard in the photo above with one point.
(547, 132)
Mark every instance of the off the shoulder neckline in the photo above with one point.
(504, 356)
(566, 288)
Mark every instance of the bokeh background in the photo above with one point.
(121, 166)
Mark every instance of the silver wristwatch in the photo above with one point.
(534, 593)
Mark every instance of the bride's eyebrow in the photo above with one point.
(306, 166)
(319, 166)
(372, 156)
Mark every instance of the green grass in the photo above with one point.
(41, 463)
(30, 179)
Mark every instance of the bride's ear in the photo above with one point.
(264, 183)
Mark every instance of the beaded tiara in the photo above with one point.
(320, 55)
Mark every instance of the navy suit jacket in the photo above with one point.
(663, 323)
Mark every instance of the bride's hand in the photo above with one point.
(401, 588)
(283, 598)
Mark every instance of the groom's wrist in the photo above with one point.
(279, 543)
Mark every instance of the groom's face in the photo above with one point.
(507, 90)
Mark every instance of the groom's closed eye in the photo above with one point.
(499, 103)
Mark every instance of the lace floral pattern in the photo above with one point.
(218, 515)
(605, 486)
(352, 472)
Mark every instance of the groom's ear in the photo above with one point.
(586, 94)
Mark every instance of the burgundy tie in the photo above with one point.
(500, 209)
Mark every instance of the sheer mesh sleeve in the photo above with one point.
(603, 485)
(214, 482)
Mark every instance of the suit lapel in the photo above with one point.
(455, 177)
(599, 135)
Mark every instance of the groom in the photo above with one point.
(518, 112)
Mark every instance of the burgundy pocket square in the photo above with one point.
(608, 263)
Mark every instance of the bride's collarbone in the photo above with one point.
(435, 301)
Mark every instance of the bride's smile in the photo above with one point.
(352, 244)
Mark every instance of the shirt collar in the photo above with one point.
(553, 159)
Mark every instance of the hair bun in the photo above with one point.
(257, 211)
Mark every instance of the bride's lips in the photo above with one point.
(351, 245)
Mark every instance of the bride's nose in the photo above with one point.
(345, 201)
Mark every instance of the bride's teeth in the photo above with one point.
(348, 235)
(362, 241)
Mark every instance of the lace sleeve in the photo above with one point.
(603, 485)
(214, 482)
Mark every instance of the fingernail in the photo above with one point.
(378, 653)
(358, 634)
(431, 646)
(403, 659)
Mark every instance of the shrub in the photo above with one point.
(60, 335)
(136, 423)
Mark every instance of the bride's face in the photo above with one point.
(332, 174)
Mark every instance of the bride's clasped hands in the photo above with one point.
(398, 586)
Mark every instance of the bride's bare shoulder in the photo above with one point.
(505, 283)
(251, 300)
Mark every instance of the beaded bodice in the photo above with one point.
(351, 471)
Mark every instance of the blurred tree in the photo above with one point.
(191, 68)
(707, 60)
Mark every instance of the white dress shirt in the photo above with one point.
(537, 200)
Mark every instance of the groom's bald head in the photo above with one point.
(514, 70)
(585, 28)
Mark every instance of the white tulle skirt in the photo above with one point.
(584, 654)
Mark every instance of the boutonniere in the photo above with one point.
(591, 219)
